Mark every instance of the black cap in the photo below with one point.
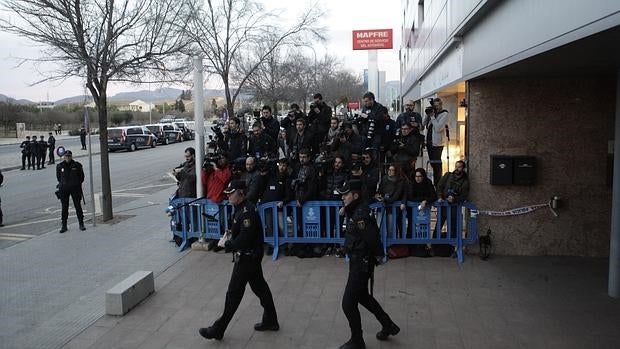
(68, 152)
(283, 161)
(234, 185)
(49, 133)
(352, 185)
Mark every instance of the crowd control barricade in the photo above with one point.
(413, 226)
(191, 218)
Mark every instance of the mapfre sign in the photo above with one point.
(374, 39)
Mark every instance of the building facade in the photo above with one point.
(531, 78)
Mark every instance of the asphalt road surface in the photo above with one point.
(69, 143)
(30, 207)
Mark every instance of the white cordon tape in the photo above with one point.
(515, 211)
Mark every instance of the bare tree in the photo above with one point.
(102, 41)
(225, 32)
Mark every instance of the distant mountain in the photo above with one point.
(156, 96)
(8, 99)
(74, 100)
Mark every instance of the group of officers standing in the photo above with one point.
(35, 152)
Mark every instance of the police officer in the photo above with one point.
(70, 176)
(25, 146)
(51, 145)
(34, 151)
(42, 152)
(362, 245)
(246, 242)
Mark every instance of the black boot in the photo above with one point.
(389, 328)
(211, 333)
(64, 227)
(266, 326)
(82, 227)
(354, 344)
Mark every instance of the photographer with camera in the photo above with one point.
(453, 187)
(347, 143)
(435, 122)
(271, 126)
(406, 147)
(303, 139)
(319, 116)
(288, 124)
(186, 175)
(216, 175)
(233, 141)
(410, 116)
(372, 121)
(261, 144)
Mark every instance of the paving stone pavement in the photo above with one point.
(52, 287)
(508, 302)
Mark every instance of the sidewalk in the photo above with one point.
(508, 302)
(53, 286)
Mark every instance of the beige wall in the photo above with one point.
(566, 124)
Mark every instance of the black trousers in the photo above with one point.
(33, 160)
(434, 155)
(248, 270)
(24, 158)
(51, 156)
(356, 292)
(76, 195)
(444, 216)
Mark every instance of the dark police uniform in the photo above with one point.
(51, 145)
(362, 246)
(25, 153)
(34, 151)
(70, 176)
(246, 244)
(42, 153)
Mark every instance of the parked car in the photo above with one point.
(188, 129)
(130, 138)
(166, 133)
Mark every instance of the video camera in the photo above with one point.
(266, 164)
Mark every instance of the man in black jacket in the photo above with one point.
(235, 143)
(363, 246)
(319, 116)
(261, 144)
(42, 152)
(303, 139)
(70, 176)
(407, 147)
(51, 145)
(288, 124)
(251, 177)
(270, 124)
(25, 146)
(246, 243)
(276, 187)
(34, 153)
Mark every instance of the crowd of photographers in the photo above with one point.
(307, 157)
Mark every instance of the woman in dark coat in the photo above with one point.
(421, 190)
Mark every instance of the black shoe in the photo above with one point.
(1, 225)
(217, 248)
(261, 326)
(21, 169)
(389, 330)
(210, 333)
(354, 344)
(211, 245)
(42, 167)
(82, 227)
(63, 229)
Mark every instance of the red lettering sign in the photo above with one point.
(353, 105)
(373, 39)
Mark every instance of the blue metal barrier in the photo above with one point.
(319, 222)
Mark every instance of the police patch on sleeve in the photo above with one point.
(361, 225)
(247, 223)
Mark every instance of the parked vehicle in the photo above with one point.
(166, 133)
(130, 138)
(188, 128)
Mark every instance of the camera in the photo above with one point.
(431, 102)
(266, 164)
(312, 106)
(452, 192)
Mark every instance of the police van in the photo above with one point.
(130, 138)
(166, 133)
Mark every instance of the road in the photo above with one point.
(30, 207)
(68, 143)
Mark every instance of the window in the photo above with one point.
(134, 131)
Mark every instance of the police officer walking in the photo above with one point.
(362, 245)
(25, 152)
(51, 144)
(246, 242)
(70, 176)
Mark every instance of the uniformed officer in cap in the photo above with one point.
(363, 246)
(246, 243)
(70, 176)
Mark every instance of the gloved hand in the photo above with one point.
(228, 246)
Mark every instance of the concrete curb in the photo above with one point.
(11, 168)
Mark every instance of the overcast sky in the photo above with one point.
(341, 18)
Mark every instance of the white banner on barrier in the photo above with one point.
(514, 211)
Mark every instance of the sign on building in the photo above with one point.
(372, 39)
